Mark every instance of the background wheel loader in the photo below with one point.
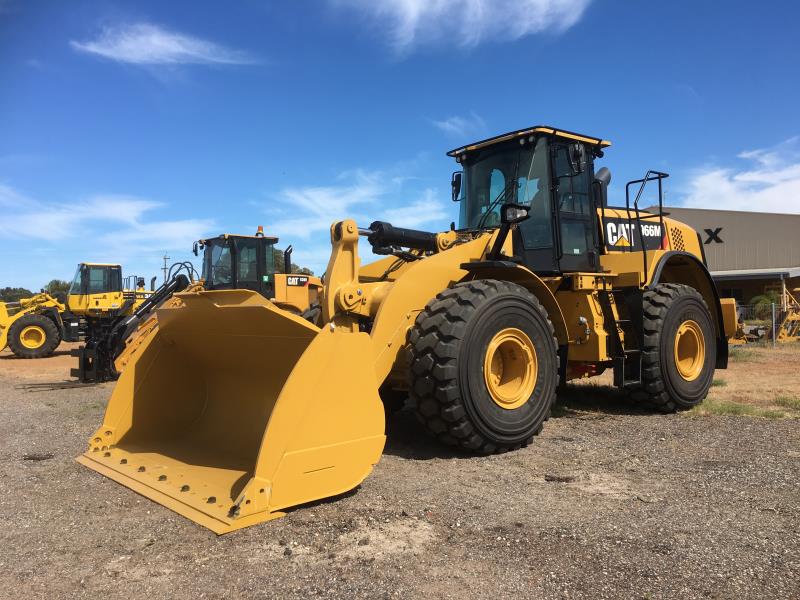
(229, 262)
(34, 327)
(234, 410)
(30, 327)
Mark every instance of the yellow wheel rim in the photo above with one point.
(32, 337)
(510, 368)
(690, 350)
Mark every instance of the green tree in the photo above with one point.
(762, 305)
(9, 294)
(58, 289)
(278, 258)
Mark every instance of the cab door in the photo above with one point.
(574, 208)
(254, 265)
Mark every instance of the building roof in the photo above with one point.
(546, 129)
(774, 273)
(740, 213)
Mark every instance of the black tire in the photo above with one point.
(51, 341)
(448, 344)
(665, 308)
(393, 400)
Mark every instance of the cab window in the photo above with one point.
(533, 189)
(247, 267)
(220, 265)
(101, 280)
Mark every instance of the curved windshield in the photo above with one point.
(75, 286)
(503, 174)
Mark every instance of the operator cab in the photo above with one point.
(239, 262)
(96, 278)
(551, 173)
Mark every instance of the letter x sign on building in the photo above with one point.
(713, 235)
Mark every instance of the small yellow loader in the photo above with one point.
(234, 411)
(30, 326)
(34, 327)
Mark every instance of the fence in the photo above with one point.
(761, 322)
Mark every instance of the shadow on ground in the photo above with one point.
(406, 437)
(575, 400)
(13, 356)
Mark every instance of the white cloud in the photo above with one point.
(364, 196)
(32, 219)
(470, 126)
(104, 228)
(768, 181)
(465, 23)
(147, 44)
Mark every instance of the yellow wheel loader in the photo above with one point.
(234, 411)
(30, 327)
(229, 262)
(34, 327)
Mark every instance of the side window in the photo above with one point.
(269, 259)
(533, 189)
(97, 279)
(573, 189)
(102, 280)
(220, 265)
(574, 205)
(248, 263)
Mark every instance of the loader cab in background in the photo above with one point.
(95, 287)
(549, 171)
(240, 262)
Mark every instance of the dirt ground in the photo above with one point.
(609, 502)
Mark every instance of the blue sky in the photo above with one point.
(128, 130)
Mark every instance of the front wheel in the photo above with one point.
(484, 366)
(680, 352)
(33, 336)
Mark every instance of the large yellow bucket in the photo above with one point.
(234, 410)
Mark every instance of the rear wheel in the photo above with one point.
(484, 366)
(679, 348)
(33, 336)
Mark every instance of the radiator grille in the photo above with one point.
(677, 239)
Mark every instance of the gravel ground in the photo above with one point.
(610, 503)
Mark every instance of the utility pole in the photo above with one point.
(165, 268)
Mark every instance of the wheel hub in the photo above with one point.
(510, 368)
(32, 337)
(690, 350)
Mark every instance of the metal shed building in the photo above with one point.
(748, 253)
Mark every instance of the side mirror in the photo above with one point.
(513, 213)
(455, 184)
(577, 157)
(194, 248)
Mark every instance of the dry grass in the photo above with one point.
(760, 381)
(791, 402)
(724, 407)
(760, 378)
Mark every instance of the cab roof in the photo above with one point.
(269, 238)
(541, 129)
(93, 264)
